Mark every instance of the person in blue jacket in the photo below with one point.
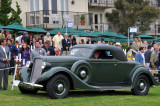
(140, 56)
(14, 52)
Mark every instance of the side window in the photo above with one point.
(108, 55)
(97, 54)
(103, 54)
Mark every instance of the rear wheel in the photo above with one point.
(58, 86)
(142, 85)
(27, 90)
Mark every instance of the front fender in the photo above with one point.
(141, 70)
(77, 82)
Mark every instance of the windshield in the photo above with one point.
(85, 52)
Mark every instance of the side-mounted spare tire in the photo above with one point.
(141, 86)
(83, 70)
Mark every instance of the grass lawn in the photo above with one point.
(79, 98)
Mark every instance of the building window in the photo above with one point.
(31, 5)
(45, 19)
(37, 5)
(37, 19)
(90, 18)
(54, 6)
(62, 5)
(45, 7)
(101, 18)
(66, 6)
(32, 20)
(96, 19)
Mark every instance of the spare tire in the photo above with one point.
(83, 70)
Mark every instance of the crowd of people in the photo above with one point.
(145, 53)
(30, 47)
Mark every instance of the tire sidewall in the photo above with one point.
(51, 86)
(136, 91)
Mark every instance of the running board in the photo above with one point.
(30, 85)
(113, 87)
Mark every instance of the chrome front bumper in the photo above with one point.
(30, 85)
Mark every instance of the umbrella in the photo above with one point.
(157, 39)
(69, 30)
(105, 39)
(37, 29)
(54, 31)
(122, 36)
(144, 36)
(1, 27)
(83, 33)
(96, 34)
(109, 33)
(123, 40)
(15, 26)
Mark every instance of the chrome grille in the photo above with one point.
(36, 70)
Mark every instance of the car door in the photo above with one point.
(104, 70)
(122, 72)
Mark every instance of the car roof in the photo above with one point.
(116, 51)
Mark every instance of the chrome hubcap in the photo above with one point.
(142, 86)
(83, 74)
(60, 87)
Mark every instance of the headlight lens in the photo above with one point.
(43, 65)
(28, 64)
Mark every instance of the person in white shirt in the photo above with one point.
(101, 41)
(57, 40)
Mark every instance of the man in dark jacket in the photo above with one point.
(14, 52)
(90, 41)
(147, 56)
(49, 50)
(4, 63)
(65, 45)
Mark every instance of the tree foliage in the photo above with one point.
(5, 10)
(16, 15)
(128, 13)
(7, 14)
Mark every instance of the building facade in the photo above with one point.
(51, 14)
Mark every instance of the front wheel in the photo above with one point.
(142, 85)
(58, 86)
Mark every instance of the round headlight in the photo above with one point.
(28, 64)
(43, 65)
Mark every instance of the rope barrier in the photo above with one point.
(7, 68)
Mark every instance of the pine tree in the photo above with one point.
(16, 15)
(130, 13)
(5, 10)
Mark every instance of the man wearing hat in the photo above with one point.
(118, 44)
(65, 45)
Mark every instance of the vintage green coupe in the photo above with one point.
(88, 67)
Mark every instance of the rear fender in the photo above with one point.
(77, 82)
(142, 70)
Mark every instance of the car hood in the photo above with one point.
(58, 59)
